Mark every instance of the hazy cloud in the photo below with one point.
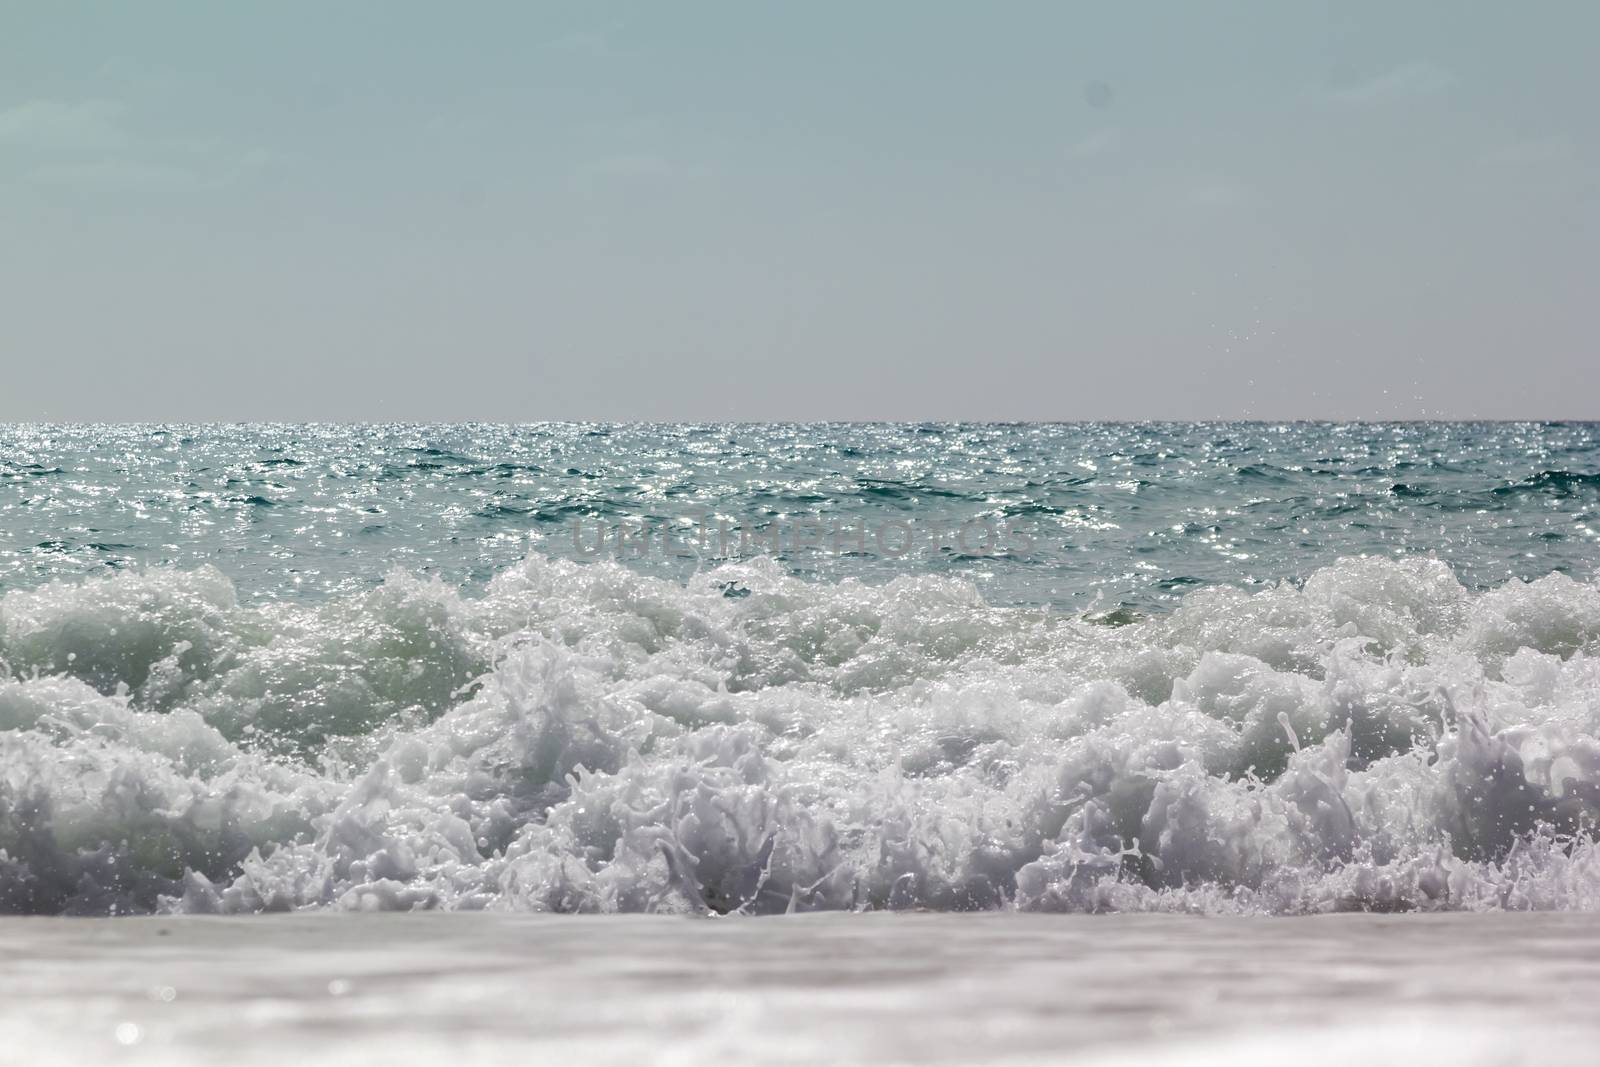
(87, 144)
(63, 125)
(1217, 191)
(1417, 78)
(1098, 143)
(115, 174)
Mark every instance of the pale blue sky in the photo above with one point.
(802, 210)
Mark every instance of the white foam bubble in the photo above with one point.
(582, 737)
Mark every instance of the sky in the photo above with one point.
(876, 209)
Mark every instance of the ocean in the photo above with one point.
(909, 988)
(1220, 669)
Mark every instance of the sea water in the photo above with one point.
(1013, 989)
(1223, 668)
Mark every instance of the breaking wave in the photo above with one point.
(584, 738)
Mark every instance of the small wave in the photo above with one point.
(1557, 483)
(874, 488)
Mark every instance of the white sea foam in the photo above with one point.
(585, 738)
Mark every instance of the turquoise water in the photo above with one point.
(1213, 668)
(1125, 516)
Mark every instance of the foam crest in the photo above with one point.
(586, 738)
